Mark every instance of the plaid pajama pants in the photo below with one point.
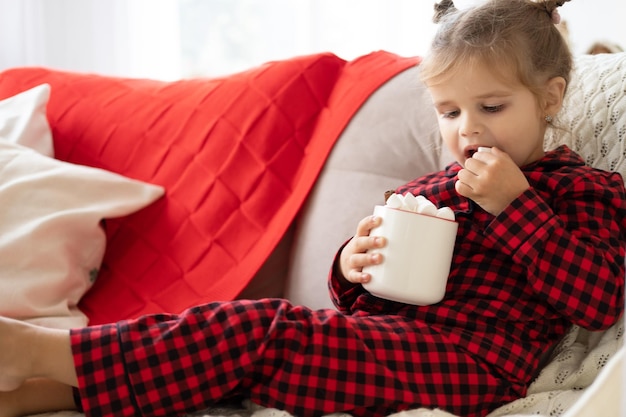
(306, 362)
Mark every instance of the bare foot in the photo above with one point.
(28, 351)
(14, 353)
(8, 407)
(36, 396)
(23, 357)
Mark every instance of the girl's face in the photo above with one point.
(477, 108)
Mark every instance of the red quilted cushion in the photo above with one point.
(237, 156)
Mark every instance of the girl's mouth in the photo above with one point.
(470, 151)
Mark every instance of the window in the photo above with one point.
(223, 36)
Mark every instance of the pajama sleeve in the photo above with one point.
(574, 250)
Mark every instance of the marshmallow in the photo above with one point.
(426, 207)
(418, 204)
(410, 202)
(420, 198)
(445, 213)
(394, 201)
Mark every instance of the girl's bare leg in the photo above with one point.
(36, 396)
(28, 351)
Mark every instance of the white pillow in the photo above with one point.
(23, 120)
(51, 239)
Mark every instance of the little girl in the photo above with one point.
(540, 247)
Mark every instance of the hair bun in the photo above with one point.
(443, 8)
(551, 4)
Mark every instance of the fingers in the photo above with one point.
(478, 162)
(362, 241)
(359, 261)
(475, 173)
(463, 188)
(491, 179)
(485, 156)
(366, 225)
(362, 244)
(355, 255)
(359, 256)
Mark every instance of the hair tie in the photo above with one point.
(552, 10)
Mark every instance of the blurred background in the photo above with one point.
(172, 39)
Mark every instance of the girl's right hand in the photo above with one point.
(354, 257)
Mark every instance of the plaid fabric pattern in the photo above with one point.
(517, 282)
(291, 358)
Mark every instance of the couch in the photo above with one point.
(244, 186)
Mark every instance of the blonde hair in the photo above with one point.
(516, 38)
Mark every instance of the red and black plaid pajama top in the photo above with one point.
(554, 257)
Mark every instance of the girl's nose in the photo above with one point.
(470, 125)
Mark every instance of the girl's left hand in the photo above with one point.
(492, 180)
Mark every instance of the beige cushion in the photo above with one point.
(392, 139)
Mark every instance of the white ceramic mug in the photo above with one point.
(416, 259)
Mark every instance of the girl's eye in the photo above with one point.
(493, 109)
(450, 114)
